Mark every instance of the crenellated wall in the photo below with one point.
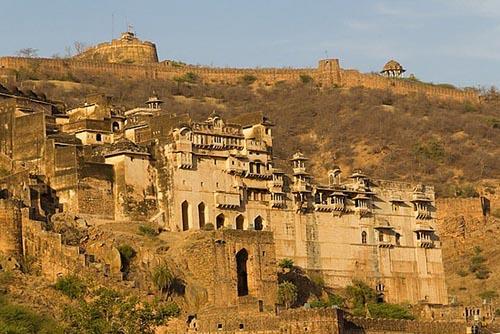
(327, 74)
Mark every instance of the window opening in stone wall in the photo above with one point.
(116, 126)
(219, 327)
(185, 215)
(240, 220)
(219, 221)
(242, 326)
(398, 239)
(380, 236)
(98, 137)
(201, 214)
(257, 223)
(261, 306)
(241, 271)
(363, 237)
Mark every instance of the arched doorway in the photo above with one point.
(219, 221)
(240, 220)
(258, 223)
(241, 271)
(201, 214)
(115, 126)
(185, 215)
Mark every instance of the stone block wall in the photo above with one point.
(354, 325)
(328, 74)
(10, 228)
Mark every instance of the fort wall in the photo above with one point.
(328, 74)
(10, 228)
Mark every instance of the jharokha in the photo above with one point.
(213, 190)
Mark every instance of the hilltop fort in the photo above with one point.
(128, 56)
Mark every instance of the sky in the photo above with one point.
(451, 41)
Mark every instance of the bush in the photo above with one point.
(488, 295)
(318, 280)
(190, 77)
(126, 255)
(71, 285)
(168, 310)
(147, 231)
(482, 273)
(15, 319)
(462, 273)
(360, 294)
(304, 78)
(389, 311)
(248, 79)
(477, 265)
(286, 263)
(287, 294)
(333, 300)
(162, 278)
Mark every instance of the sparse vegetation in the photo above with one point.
(286, 263)
(287, 294)
(389, 311)
(333, 300)
(248, 79)
(71, 285)
(109, 311)
(477, 264)
(305, 79)
(163, 279)
(488, 295)
(462, 273)
(126, 255)
(147, 231)
(16, 319)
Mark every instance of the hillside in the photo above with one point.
(445, 143)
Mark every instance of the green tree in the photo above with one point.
(305, 78)
(488, 295)
(360, 295)
(248, 79)
(287, 294)
(389, 311)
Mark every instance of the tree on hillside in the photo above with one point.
(163, 279)
(27, 52)
(287, 294)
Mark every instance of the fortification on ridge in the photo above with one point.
(129, 57)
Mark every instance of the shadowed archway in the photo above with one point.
(241, 271)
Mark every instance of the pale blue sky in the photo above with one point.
(455, 41)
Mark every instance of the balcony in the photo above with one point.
(234, 166)
(423, 213)
(227, 200)
(184, 160)
(425, 243)
(278, 203)
(256, 145)
(329, 207)
(184, 145)
(385, 244)
(301, 187)
(277, 183)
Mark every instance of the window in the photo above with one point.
(240, 220)
(363, 237)
(258, 224)
(185, 215)
(219, 221)
(241, 271)
(201, 214)
(380, 236)
(398, 239)
(98, 137)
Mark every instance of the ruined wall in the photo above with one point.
(95, 190)
(356, 325)
(54, 258)
(207, 261)
(10, 228)
(327, 74)
(29, 134)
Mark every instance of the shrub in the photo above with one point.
(168, 310)
(482, 273)
(305, 78)
(287, 294)
(248, 79)
(462, 273)
(190, 77)
(333, 300)
(389, 311)
(147, 231)
(162, 278)
(318, 280)
(126, 255)
(360, 294)
(286, 263)
(71, 285)
(16, 319)
(488, 295)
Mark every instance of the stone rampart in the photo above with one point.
(355, 325)
(328, 74)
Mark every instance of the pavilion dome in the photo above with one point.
(393, 66)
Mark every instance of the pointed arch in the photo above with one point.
(258, 223)
(240, 221)
(241, 272)
(185, 215)
(201, 214)
(363, 237)
(220, 221)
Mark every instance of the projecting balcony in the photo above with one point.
(422, 213)
(184, 160)
(256, 145)
(301, 187)
(277, 183)
(299, 171)
(425, 243)
(278, 203)
(184, 145)
(227, 200)
(385, 244)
